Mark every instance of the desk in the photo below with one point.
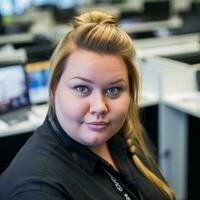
(148, 99)
(168, 45)
(188, 102)
(38, 113)
(173, 22)
(16, 38)
(12, 138)
(36, 117)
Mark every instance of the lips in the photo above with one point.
(97, 125)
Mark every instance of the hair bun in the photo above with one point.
(94, 17)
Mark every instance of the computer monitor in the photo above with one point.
(155, 10)
(43, 2)
(37, 73)
(14, 7)
(66, 4)
(6, 7)
(13, 88)
(21, 6)
(61, 4)
(189, 58)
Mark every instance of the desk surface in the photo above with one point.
(38, 113)
(173, 22)
(16, 38)
(186, 102)
(148, 99)
(189, 47)
(36, 117)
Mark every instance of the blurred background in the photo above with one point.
(166, 36)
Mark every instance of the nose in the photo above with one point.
(98, 105)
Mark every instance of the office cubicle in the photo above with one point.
(168, 45)
(174, 167)
(179, 114)
(188, 102)
(178, 118)
(191, 58)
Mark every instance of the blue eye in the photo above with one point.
(82, 90)
(113, 92)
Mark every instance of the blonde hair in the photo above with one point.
(99, 32)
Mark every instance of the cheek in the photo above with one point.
(76, 109)
(120, 110)
(122, 113)
(69, 106)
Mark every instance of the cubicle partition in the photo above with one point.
(181, 102)
(175, 85)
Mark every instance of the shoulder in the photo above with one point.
(37, 167)
(39, 195)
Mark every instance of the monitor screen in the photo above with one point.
(13, 88)
(157, 10)
(61, 4)
(21, 5)
(43, 2)
(65, 4)
(6, 7)
(37, 73)
(14, 7)
(189, 58)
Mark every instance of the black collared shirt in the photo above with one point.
(52, 166)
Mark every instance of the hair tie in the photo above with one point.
(129, 142)
(133, 149)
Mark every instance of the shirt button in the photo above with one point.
(74, 155)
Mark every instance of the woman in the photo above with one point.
(91, 145)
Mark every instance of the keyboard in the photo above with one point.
(16, 117)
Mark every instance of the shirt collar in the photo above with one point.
(79, 153)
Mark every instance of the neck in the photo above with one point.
(104, 153)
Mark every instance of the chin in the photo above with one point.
(95, 143)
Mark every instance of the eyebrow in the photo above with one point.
(89, 81)
(83, 79)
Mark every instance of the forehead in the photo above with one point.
(84, 62)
